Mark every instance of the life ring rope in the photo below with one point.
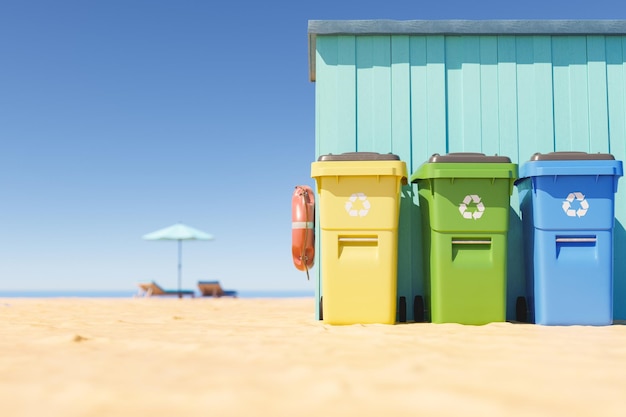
(302, 225)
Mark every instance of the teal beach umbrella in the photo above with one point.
(178, 232)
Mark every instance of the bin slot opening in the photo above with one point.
(471, 252)
(361, 239)
(575, 248)
(471, 241)
(591, 239)
(358, 248)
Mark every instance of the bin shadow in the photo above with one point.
(516, 281)
(410, 271)
(619, 273)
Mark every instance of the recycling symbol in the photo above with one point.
(480, 207)
(567, 205)
(352, 210)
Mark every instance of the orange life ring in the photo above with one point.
(303, 227)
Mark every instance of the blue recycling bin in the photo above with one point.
(567, 202)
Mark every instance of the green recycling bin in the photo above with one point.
(464, 200)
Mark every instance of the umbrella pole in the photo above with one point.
(180, 266)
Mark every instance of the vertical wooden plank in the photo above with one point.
(401, 146)
(507, 123)
(382, 91)
(420, 139)
(597, 92)
(562, 97)
(544, 113)
(401, 98)
(346, 94)
(616, 87)
(335, 111)
(616, 95)
(454, 83)
(507, 97)
(365, 94)
(419, 101)
(490, 132)
(571, 112)
(535, 134)
(429, 128)
(527, 97)
(618, 148)
(325, 127)
(428, 97)
(471, 95)
(437, 137)
(335, 95)
(373, 62)
(325, 93)
(579, 93)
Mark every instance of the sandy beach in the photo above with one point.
(246, 357)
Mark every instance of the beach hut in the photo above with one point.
(512, 88)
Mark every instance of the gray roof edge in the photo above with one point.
(457, 27)
(467, 27)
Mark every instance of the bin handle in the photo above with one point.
(358, 239)
(471, 242)
(576, 239)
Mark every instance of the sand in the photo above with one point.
(246, 357)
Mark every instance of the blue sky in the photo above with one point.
(118, 118)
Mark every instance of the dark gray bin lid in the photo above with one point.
(359, 156)
(469, 157)
(571, 156)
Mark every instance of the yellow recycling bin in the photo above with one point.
(359, 205)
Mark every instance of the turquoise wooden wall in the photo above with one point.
(510, 95)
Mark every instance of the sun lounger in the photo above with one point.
(214, 289)
(152, 288)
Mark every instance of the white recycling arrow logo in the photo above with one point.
(582, 202)
(480, 207)
(350, 206)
